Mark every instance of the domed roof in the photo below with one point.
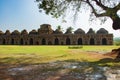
(15, 32)
(24, 32)
(33, 32)
(45, 29)
(7, 32)
(58, 31)
(45, 25)
(1, 32)
(91, 31)
(79, 31)
(102, 31)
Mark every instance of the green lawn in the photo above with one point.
(40, 54)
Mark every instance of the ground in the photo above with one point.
(58, 63)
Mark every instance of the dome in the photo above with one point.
(45, 26)
(33, 32)
(91, 31)
(15, 32)
(102, 31)
(24, 32)
(1, 32)
(79, 31)
(7, 32)
(45, 29)
(58, 32)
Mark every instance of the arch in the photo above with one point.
(21, 42)
(56, 41)
(92, 41)
(80, 41)
(31, 41)
(4, 41)
(26, 43)
(68, 41)
(104, 41)
(43, 41)
(12, 41)
(62, 43)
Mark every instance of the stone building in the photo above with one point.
(45, 35)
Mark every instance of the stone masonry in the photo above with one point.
(47, 36)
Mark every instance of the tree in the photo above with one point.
(59, 28)
(69, 30)
(98, 8)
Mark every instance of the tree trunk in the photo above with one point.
(116, 23)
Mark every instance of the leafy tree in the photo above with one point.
(69, 30)
(98, 8)
(59, 28)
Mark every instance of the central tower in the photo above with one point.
(45, 29)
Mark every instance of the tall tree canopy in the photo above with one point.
(98, 8)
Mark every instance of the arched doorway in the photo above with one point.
(31, 41)
(104, 41)
(68, 41)
(21, 41)
(92, 41)
(62, 43)
(12, 41)
(56, 41)
(4, 41)
(43, 41)
(80, 41)
(26, 43)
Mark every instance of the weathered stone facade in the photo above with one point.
(46, 36)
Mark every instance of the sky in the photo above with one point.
(24, 14)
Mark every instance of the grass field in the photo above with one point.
(42, 54)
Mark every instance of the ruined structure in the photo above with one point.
(46, 36)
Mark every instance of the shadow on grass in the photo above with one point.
(59, 70)
(30, 60)
(15, 60)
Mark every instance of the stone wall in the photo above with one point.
(48, 37)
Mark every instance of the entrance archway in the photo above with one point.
(31, 41)
(68, 41)
(43, 41)
(80, 41)
(56, 41)
(12, 41)
(21, 42)
(92, 41)
(104, 41)
(4, 41)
